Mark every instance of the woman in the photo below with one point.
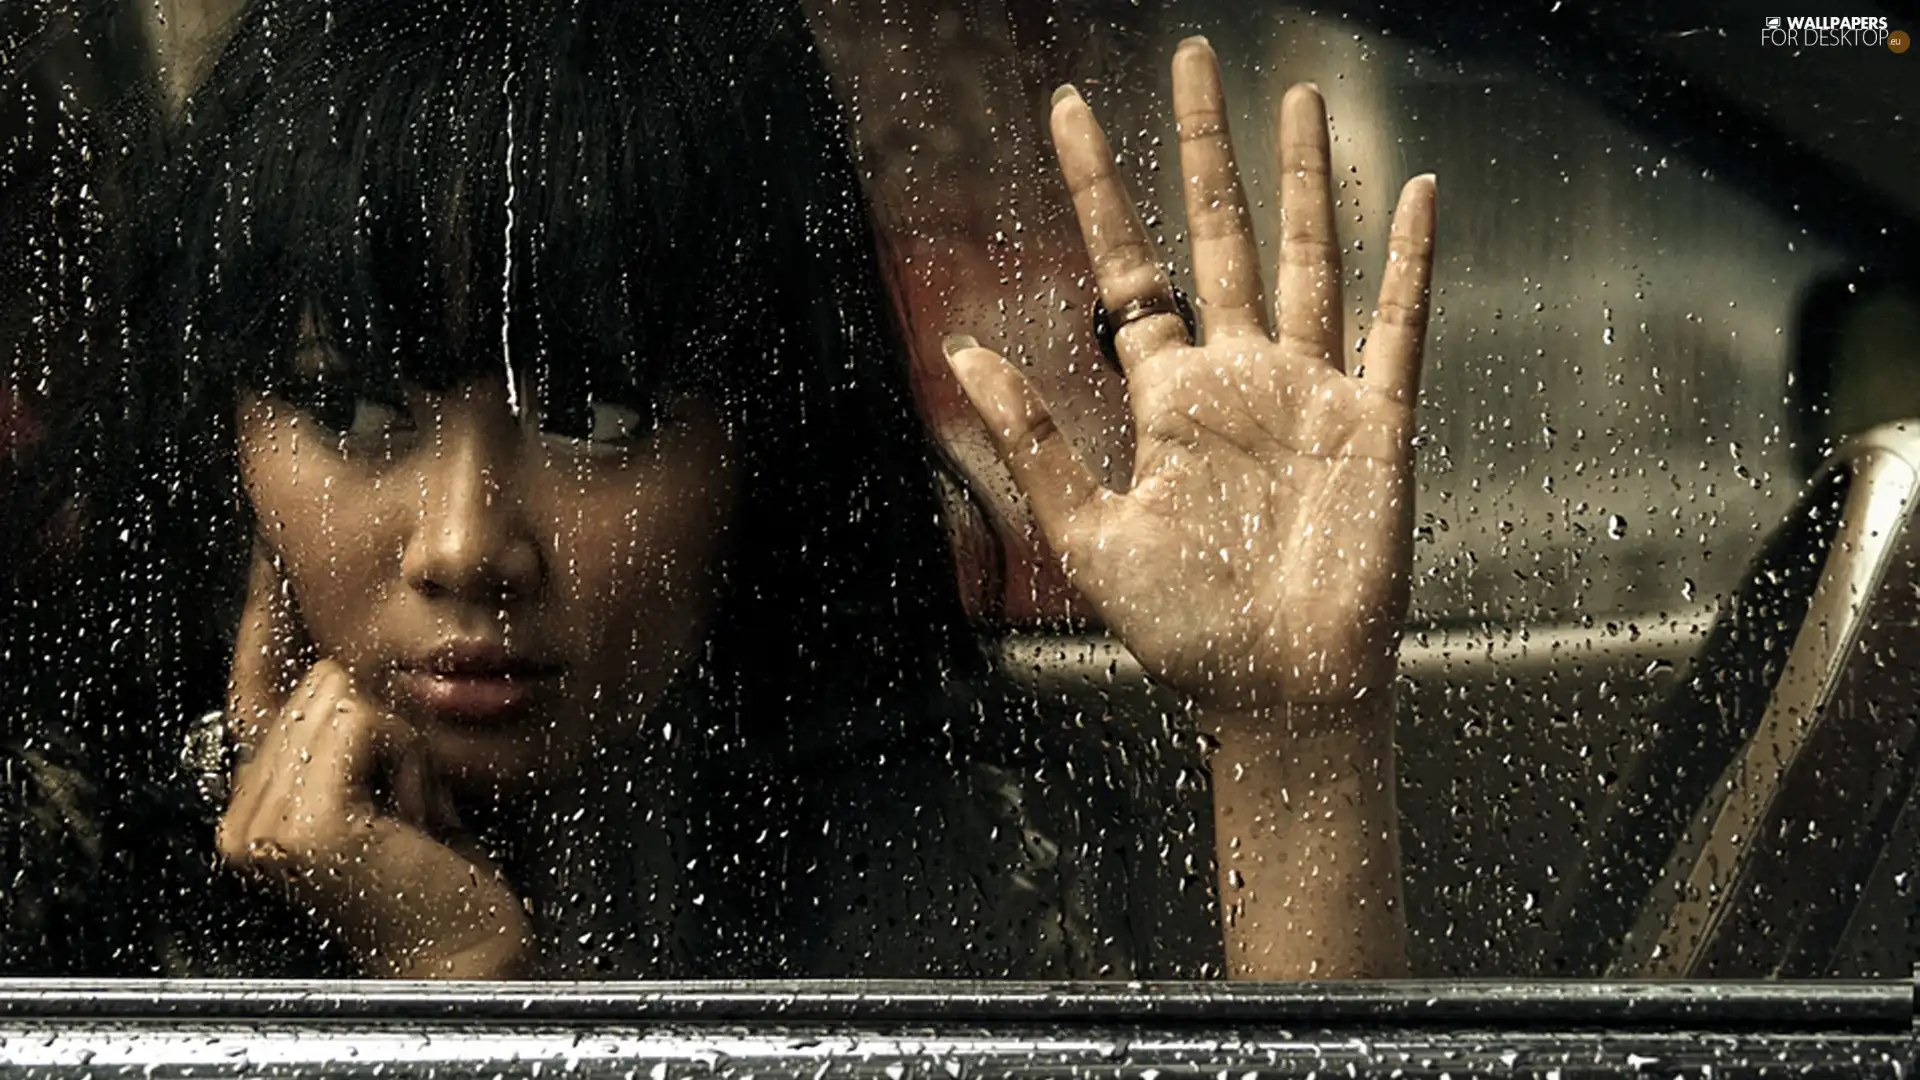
(534, 357)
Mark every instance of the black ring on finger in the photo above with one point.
(1106, 326)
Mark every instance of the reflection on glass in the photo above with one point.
(526, 453)
(521, 435)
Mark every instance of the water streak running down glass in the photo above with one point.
(615, 491)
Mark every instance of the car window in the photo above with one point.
(594, 492)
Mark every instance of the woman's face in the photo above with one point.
(517, 587)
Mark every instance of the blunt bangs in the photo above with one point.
(446, 200)
(657, 193)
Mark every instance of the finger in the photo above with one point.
(1226, 255)
(277, 775)
(362, 741)
(328, 760)
(411, 798)
(1397, 339)
(316, 758)
(276, 745)
(1125, 267)
(267, 650)
(444, 813)
(412, 784)
(1043, 462)
(1308, 317)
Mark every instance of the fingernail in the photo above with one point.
(1313, 86)
(953, 343)
(1067, 90)
(1198, 40)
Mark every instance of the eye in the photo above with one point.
(355, 418)
(599, 427)
(372, 419)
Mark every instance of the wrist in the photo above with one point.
(1307, 838)
(1365, 716)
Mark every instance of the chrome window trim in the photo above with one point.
(1785, 1003)
(68, 1030)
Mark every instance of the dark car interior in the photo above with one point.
(1713, 790)
(1660, 696)
(1564, 745)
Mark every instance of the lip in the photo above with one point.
(473, 682)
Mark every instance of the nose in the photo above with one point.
(473, 541)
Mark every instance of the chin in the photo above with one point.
(500, 763)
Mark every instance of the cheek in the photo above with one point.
(326, 523)
(637, 561)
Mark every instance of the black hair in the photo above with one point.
(78, 743)
(628, 193)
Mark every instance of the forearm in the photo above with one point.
(1308, 841)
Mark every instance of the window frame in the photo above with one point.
(68, 1028)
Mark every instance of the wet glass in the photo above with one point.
(1670, 295)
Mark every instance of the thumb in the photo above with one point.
(1042, 461)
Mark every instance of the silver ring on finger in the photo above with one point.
(208, 756)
